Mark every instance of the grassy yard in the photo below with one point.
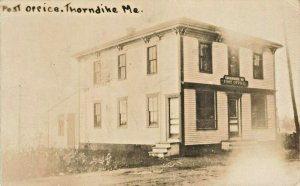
(51, 162)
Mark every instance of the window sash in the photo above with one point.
(152, 60)
(258, 111)
(97, 115)
(205, 110)
(60, 126)
(233, 62)
(97, 72)
(257, 66)
(152, 109)
(122, 66)
(123, 112)
(205, 58)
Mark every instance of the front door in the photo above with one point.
(233, 117)
(173, 117)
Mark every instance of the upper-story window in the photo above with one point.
(152, 60)
(122, 66)
(205, 57)
(233, 62)
(97, 72)
(97, 115)
(258, 66)
(152, 110)
(122, 113)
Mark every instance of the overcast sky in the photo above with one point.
(36, 48)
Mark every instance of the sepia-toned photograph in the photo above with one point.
(140, 92)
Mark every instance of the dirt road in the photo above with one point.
(243, 168)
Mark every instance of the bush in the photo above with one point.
(289, 141)
(45, 162)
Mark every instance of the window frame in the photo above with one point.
(96, 126)
(61, 125)
(96, 73)
(230, 51)
(155, 125)
(119, 112)
(197, 92)
(201, 60)
(265, 125)
(260, 67)
(149, 61)
(120, 67)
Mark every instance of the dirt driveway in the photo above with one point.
(255, 167)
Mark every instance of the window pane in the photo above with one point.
(174, 108)
(257, 67)
(205, 57)
(152, 110)
(97, 115)
(123, 112)
(258, 110)
(256, 60)
(233, 62)
(232, 108)
(205, 108)
(151, 61)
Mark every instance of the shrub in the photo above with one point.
(289, 141)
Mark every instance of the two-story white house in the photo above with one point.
(176, 85)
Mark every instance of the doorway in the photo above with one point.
(234, 125)
(173, 117)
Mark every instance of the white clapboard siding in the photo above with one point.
(194, 136)
(220, 65)
(258, 134)
(191, 62)
(135, 87)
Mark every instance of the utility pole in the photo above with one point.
(19, 117)
(296, 119)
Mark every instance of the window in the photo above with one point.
(233, 62)
(122, 113)
(205, 110)
(97, 72)
(258, 105)
(205, 58)
(257, 66)
(152, 110)
(61, 125)
(152, 60)
(122, 66)
(97, 115)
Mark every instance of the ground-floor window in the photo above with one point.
(61, 125)
(258, 105)
(97, 115)
(152, 110)
(206, 109)
(122, 112)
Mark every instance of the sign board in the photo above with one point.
(235, 81)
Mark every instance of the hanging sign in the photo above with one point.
(235, 81)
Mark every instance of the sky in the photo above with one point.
(37, 48)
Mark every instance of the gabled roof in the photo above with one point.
(226, 34)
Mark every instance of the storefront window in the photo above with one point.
(205, 108)
(258, 104)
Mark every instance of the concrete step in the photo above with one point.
(163, 145)
(157, 154)
(229, 145)
(160, 150)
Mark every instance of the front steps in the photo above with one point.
(162, 150)
(239, 144)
